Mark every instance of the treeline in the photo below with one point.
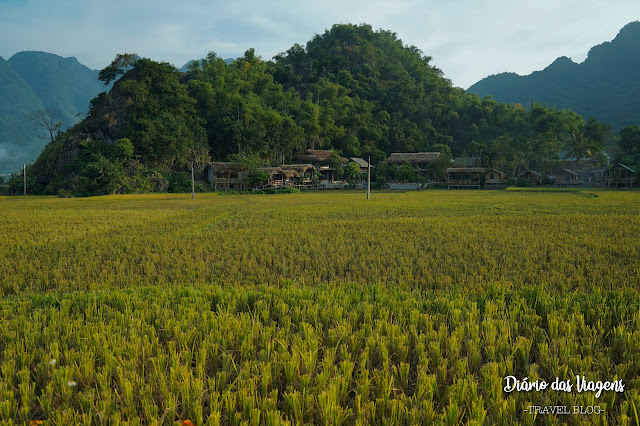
(357, 91)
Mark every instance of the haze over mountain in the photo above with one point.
(61, 83)
(17, 100)
(605, 86)
(32, 81)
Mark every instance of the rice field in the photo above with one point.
(318, 308)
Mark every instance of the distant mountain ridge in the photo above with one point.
(606, 85)
(31, 81)
(61, 83)
(17, 100)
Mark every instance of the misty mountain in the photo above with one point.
(17, 100)
(31, 81)
(605, 86)
(61, 83)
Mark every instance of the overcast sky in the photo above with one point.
(468, 39)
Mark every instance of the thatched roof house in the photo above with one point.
(494, 178)
(304, 173)
(277, 173)
(225, 175)
(223, 170)
(419, 159)
(620, 175)
(302, 169)
(314, 156)
(531, 176)
(465, 175)
(567, 177)
(361, 162)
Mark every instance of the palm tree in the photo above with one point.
(580, 147)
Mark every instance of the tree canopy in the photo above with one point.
(120, 65)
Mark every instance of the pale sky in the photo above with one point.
(468, 39)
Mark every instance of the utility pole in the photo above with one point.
(24, 180)
(193, 185)
(369, 179)
(13, 164)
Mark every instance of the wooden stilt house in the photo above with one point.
(567, 177)
(494, 179)
(464, 177)
(226, 176)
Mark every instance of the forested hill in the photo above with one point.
(605, 85)
(352, 89)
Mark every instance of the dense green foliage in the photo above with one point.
(118, 66)
(318, 308)
(604, 86)
(629, 146)
(354, 90)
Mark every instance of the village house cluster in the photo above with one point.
(314, 170)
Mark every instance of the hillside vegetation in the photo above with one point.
(352, 89)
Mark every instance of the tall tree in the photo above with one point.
(122, 63)
(629, 145)
(580, 147)
(48, 120)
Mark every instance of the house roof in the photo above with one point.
(314, 155)
(413, 157)
(360, 162)
(453, 170)
(226, 167)
(271, 170)
(626, 167)
(530, 172)
(495, 170)
(300, 168)
(568, 171)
